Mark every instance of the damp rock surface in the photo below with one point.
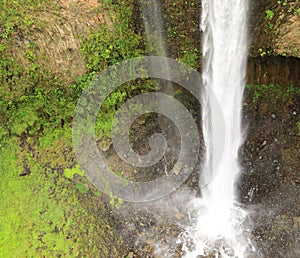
(268, 187)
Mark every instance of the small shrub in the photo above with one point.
(269, 14)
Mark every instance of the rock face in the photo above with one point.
(275, 28)
(274, 38)
(279, 70)
(275, 42)
(274, 51)
(274, 57)
(57, 41)
(270, 160)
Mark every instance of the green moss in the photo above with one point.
(189, 57)
(269, 14)
(97, 193)
(104, 47)
(41, 216)
(107, 46)
(31, 223)
(81, 188)
(21, 14)
(41, 212)
(70, 172)
(273, 91)
(116, 202)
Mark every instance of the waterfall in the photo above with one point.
(224, 24)
(155, 34)
(220, 224)
(156, 45)
(154, 30)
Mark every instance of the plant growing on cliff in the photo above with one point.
(110, 44)
(44, 210)
(269, 17)
(107, 46)
(262, 52)
(269, 14)
(274, 91)
(21, 15)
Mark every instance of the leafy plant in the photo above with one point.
(107, 46)
(262, 52)
(115, 202)
(44, 211)
(269, 14)
(36, 111)
(20, 15)
(110, 45)
(70, 172)
(274, 91)
(81, 188)
(189, 57)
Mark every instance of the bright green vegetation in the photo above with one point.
(274, 25)
(108, 46)
(182, 46)
(189, 57)
(269, 14)
(269, 17)
(48, 207)
(21, 15)
(292, 6)
(45, 197)
(31, 222)
(81, 188)
(70, 172)
(40, 214)
(32, 100)
(273, 91)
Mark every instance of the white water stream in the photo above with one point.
(220, 223)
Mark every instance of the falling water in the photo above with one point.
(155, 33)
(220, 223)
(156, 45)
(154, 30)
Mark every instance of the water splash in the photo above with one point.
(219, 226)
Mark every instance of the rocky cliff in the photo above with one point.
(274, 47)
(275, 42)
